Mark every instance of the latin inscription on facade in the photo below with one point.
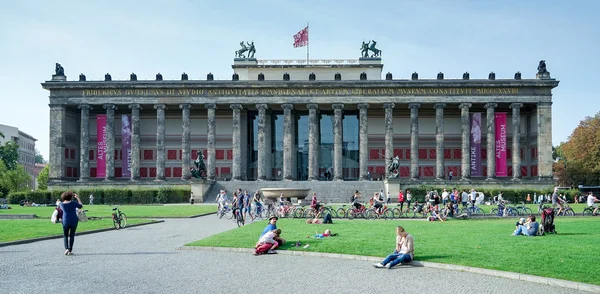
(290, 92)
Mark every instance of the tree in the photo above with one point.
(42, 178)
(39, 158)
(15, 180)
(581, 153)
(9, 153)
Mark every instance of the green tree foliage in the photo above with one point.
(577, 161)
(9, 153)
(39, 158)
(14, 180)
(42, 178)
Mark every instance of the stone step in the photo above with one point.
(327, 191)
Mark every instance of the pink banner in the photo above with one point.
(501, 170)
(101, 138)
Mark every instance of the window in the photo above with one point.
(148, 154)
(172, 154)
(91, 156)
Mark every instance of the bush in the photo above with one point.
(117, 196)
(163, 195)
(16, 197)
(40, 197)
(143, 196)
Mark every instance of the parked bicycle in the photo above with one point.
(523, 210)
(119, 218)
(504, 209)
(472, 210)
(589, 211)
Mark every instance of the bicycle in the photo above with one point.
(472, 210)
(239, 218)
(504, 210)
(373, 213)
(566, 210)
(352, 212)
(589, 211)
(226, 211)
(522, 209)
(119, 218)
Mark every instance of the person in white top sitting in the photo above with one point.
(404, 252)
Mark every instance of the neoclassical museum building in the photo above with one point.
(278, 120)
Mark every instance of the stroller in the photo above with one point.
(548, 221)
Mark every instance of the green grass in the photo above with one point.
(132, 211)
(21, 229)
(571, 255)
(577, 208)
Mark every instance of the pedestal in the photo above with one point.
(57, 78)
(543, 76)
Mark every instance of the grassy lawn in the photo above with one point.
(12, 230)
(572, 254)
(577, 208)
(156, 211)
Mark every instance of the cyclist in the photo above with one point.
(590, 202)
(314, 204)
(378, 202)
(236, 204)
(257, 202)
(355, 201)
(222, 199)
(281, 200)
(557, 201)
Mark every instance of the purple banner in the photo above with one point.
(126, 145)
(101, 145)
(475, 153)
(501, 169)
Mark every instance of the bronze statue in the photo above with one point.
(240, 53)
(107, 77)
(541, 67)
(364, 49)
(393, 167)
(199, 171)
(82, 77)
(59, 70)
(251, 49)
(376, 52)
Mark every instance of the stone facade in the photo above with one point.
(275, 130)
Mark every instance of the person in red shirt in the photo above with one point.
(401, 200)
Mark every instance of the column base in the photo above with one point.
(338, 179)
(109, 179)
(313, 179)
(516, 179)
(490, 179)
(159, 180)
(465, 179)
(82, 180)
(414, 179)
(136, 179)
(263, 178)
(439, 179)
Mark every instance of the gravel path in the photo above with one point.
(144, 260)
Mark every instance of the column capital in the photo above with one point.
(109, 106)
(84, 107)
(516, 105)
(236, 106)
(363, 105)
(52, 105)
(312, 106)
(414, 105)
(544, 104)
(160, 106)
(262, 106)
(185, 106)
(135, 106)
(389, 105)
(439, 105)
(463, 105)
(337, 106)
(491, 105)
(210, 106)
(287, 106)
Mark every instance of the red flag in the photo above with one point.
(301, 38)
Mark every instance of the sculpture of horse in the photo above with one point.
(393, 167)
(376, 52)
(240, 53)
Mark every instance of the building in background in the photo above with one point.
(26, 149)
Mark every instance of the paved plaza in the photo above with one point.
(145, 260)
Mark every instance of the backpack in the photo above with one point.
(327, 219)
(352, 198)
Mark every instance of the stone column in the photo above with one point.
(58, 119)
(465, 166)
(236, 166)
(84, 150)
(110, 142)
(313, 124)
(338, 138)
(186, 147)
(414, 140)
(516, 146)
(135, 141)
(491, 141)
(389, 135)
(160, 142)
(262, 143)
(439, 140)
(210, 140)
(544, 141)
(363, 157)
(288, 141)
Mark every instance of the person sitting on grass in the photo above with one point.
(519, 224)
(449, 211)
(273, 226)
(435, 214)
(267, 243)
(404, 252)
(314, 221)
(530, 228)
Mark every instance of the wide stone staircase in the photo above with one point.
(327, 191)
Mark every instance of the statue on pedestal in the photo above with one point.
(251, 50)
(59, 70)
(364, 49)
(541, 67)
(199, 171)
(393, 167)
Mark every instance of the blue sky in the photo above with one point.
(170, 37)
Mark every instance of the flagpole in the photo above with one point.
(307, 44)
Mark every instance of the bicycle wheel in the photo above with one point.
(494, 212)
(388, 214)
(512, 212)
(370, 214)
(309, 213)
(123, 221)
(333, 212)
(220, 213)
(239, 220)
(479, 212)
(341, 212)
(350, 213)
(569, 212)
(229, 214)
(397, 213)
(527, 211)
(587, 212)
(299, 213)
(116, 222)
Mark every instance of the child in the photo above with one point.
(520, 223)
(327, 233)
(267, 243)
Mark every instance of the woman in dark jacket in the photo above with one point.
(69, 220)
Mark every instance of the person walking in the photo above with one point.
(69, 220)
(91, 199)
